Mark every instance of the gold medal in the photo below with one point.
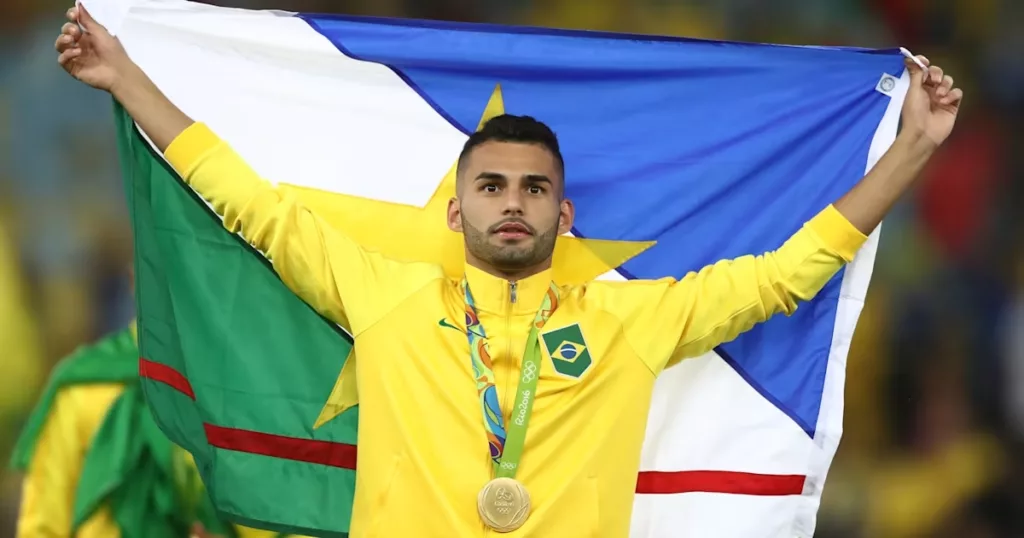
(504, 504)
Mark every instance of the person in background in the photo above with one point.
(98, 466)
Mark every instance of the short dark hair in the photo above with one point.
(511, 128)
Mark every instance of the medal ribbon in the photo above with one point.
(506, 446)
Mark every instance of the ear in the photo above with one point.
(566, 216)
(455, 215)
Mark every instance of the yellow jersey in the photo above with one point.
(423, 453)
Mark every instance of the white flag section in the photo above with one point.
(720, 459)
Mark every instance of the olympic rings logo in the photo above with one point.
(529, 372)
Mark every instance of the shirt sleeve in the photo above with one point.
(48, 490)
(678, 319)
(324, 267)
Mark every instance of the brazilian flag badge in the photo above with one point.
(568, 350)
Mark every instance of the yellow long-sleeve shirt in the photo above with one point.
(422, 449)
(48, 491)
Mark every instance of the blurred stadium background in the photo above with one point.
(935, 393)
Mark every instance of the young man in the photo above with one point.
(436, 457)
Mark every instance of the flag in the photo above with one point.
(678, 153)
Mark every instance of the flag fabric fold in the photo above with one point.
(678, 153)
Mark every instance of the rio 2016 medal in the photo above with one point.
(504, 504)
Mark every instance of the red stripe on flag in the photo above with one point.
(648, 482)
(344, 455)
(277, 446)
(166, 375)
(658, 482)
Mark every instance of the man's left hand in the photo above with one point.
(932, 103)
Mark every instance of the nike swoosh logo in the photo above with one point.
(445, 323)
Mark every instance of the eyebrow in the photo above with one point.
(530, 178)
(491, 176)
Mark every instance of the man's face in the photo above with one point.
(510, 206)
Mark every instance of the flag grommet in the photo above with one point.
(887, 84)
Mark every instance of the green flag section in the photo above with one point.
(221, 339)
(146, 481)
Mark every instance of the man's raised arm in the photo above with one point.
(929, 112)
(721, 301)
(319, 264)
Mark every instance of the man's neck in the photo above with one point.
(503, 292)
(512, 275)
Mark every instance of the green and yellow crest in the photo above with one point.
(568, 350)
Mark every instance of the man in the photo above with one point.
(96, 464)
(556, 455)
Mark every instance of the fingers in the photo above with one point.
(68, 38)
(938, 84)
(71, 29)
(65, 43)
(86, 20)
(917, 75)
(914, 64)
(68, 56)
(934, 76)
(952, 98)
(80, 16)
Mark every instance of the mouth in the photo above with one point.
(513, 230)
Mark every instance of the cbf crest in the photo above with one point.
(568, 350)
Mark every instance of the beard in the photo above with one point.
(510, 258)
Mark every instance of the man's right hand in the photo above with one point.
(94, 57)
(97, 58)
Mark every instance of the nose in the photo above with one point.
(513, 202)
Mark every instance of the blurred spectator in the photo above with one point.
(19, 339)
(1012, 340)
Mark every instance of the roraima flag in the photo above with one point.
(679, 153)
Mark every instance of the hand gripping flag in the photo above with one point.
(679, 153)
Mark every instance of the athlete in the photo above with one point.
(548, 445)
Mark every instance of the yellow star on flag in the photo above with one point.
(411, 233)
